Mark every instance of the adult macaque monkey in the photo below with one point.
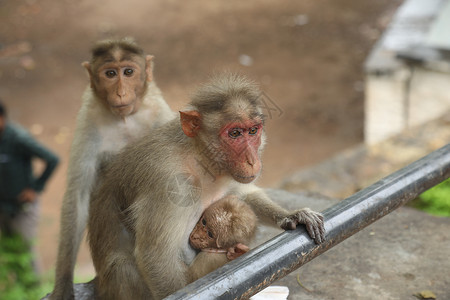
(155, 190)
(220, 234)
(120, 105)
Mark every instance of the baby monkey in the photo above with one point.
(220, 234)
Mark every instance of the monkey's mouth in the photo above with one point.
(123, 109)
(121, 106)
(244, 179)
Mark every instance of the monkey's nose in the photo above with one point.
(251, 158)
(120, 92)
(120, 89)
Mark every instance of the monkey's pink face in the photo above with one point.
(202, 237)
(122, 85)
(241, 142)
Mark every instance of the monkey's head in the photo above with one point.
(224, 224)
(119, 72)
(226, 120)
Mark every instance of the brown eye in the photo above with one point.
(234, 133)
(110, 73)
(253, 130)
(210, 234)
(204, 222)
(128, 72)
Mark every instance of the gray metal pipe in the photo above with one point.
(250, 273)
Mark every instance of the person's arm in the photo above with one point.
(34, 149)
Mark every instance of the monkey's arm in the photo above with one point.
(267, 209)
(205, 263)
(112, 249)
(74, 212)
(159, 239)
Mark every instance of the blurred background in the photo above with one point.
(307, 55)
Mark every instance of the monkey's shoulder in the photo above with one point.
(152, 156)
(161, 140)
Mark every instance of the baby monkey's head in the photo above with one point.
(224, 224)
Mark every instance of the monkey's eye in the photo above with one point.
(110, 73)
(234, 133)
(253, 130)
(128, 72)
(210, 234)
(204, 222)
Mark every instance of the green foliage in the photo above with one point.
(17, 277)
(436, 200)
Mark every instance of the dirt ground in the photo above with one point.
(307, 55)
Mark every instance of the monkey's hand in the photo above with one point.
(312, 220)
(236, 251)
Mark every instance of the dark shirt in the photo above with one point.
(17, 149)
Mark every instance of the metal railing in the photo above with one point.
(250, 273)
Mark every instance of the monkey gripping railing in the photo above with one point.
(247, 275)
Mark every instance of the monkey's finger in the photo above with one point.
(288, 224)
(241, 248)
(317, 226)
(291, 225)
(321, 227)
(319, 234)
(310, 229)
(317, 220)
(320, 216)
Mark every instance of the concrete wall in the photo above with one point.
(407, 80)
(403, 99)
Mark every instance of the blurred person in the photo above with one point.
(19, 187)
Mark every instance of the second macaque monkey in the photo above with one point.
(220, 234)
(121, 104)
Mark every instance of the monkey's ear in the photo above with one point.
(149, 67)
(218, 241)
(190, 122)
(87, 66)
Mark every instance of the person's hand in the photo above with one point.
(27, 195)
